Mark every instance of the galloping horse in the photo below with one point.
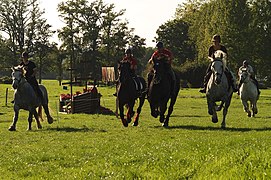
(218, 88)
(128, 90)
(248, 92)
(160, 91)
(26, 98)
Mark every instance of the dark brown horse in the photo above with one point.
(160, 91)
(129, 89)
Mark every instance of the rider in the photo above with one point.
(160, 53)
(133, 63)
(31, 69)
(246, 66)
(217, 46)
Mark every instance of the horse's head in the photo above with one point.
(124, 71)
(159, 68)
(244, 75)
(217, 70)
(17, 75)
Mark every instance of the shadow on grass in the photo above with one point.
(192, 127)
(72, 129)
(5, 121)
(190, 116)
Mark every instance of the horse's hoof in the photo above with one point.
(155, 115)
(165, 125)
(50, 120)
(129, 120)
(214, 120)
(39, 127)
(12, 128)
(135, 124)
(249, 114)
(162, 120)
(124, 122)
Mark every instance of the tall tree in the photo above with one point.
(19, 22)
(175, 35)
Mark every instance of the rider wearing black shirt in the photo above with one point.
(30, 68)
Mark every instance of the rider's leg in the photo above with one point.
(206, 79)
(149, 77)
(257, 84)
(231, 80)
(34, 83)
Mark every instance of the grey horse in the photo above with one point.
(218, 89)
(248, 93)
(26, 98)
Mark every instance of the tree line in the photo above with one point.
(95, 35)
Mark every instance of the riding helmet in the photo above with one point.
(128, 51)
(159, 44)
(25, 54)
(245, 62)
(217, 38)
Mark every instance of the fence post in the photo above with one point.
(6, 96)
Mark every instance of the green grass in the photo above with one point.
(80, 146)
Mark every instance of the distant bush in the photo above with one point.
(6, 80)
(192, 73)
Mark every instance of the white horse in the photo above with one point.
(218, 88)
(248, 93)
(26, 98)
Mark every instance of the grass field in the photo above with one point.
(80, 146)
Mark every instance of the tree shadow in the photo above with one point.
(233, 129)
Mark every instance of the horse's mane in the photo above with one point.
(219, 54)
(19, 68)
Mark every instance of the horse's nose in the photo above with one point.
(218, 81)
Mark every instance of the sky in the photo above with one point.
(145, 16)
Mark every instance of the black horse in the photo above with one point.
(129, 88)
(161, 90)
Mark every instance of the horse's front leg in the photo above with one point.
(121, 113)
(154, 111)
(254, 108)
(138, 111)
(130, 112)
(37, 119)
(246, 108)
(163, 109)
(212, 111)
(211, 107)
(30, 119)
(12, 127)
(225, 111)
(170, 109)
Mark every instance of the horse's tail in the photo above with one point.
(40, 112)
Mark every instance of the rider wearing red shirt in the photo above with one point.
(130, 58)
(161, 53)
(133, 63)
